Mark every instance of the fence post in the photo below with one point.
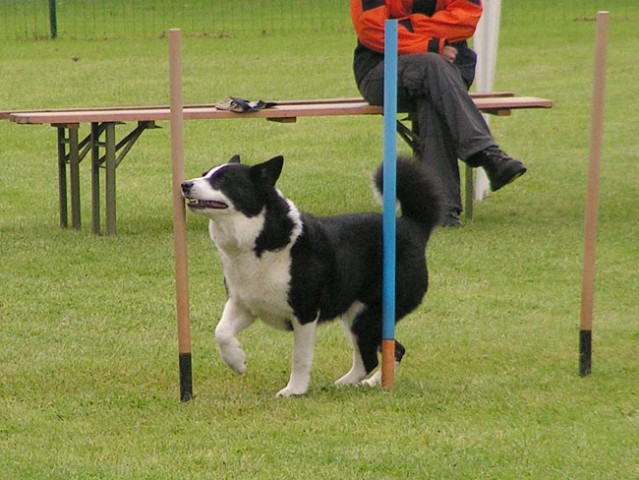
(53, 19)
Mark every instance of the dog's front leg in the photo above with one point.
(303, 346)
(235, 318)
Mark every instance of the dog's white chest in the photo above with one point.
(261, 284)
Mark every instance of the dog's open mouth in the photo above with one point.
(197, 204)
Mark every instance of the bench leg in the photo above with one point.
(110, 165)
(470, 193)
(95, 178)
(74, 171)
(62, 177)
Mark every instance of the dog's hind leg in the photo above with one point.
(357, 371)
(364, 330)
(376, 378)
(235, 318)
(303, 346)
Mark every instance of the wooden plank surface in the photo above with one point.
(283, 110)
(6, 114)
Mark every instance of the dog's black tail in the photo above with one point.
(417, 193)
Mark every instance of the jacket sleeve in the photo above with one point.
(454, 21)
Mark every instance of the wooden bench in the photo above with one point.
(106, 152)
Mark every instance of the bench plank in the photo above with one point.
(282, 110)
(6, 114)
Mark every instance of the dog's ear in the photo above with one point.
(234, 159)
(269, 171)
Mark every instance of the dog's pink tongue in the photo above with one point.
(214, 204)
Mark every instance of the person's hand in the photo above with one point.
(449, 53)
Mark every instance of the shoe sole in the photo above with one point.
(453, 222)
(514, 177)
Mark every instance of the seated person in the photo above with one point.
(432, 38)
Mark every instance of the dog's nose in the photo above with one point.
(186, 186)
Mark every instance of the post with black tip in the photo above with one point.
(592, 197)
(179, 215)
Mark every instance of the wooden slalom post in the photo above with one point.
(390, 198)
(179, 215)
(592, 197)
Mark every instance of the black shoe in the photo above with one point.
(451, 219)
(500, 168)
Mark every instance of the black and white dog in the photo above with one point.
(294, 270)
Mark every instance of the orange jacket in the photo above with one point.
(423, 25)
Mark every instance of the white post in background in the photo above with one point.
(485, 44)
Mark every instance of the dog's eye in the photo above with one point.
(218, 179)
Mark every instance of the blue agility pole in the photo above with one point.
(390, 199)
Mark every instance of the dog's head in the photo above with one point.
(233, 187)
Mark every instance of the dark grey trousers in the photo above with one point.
(450, 126)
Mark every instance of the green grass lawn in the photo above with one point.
(489, 387)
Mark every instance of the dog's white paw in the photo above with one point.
(289, 391)
(351, 378)
(234, 356)
(355, 375)
(373, 381)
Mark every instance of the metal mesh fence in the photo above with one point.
(100, 19)
(105, 19)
